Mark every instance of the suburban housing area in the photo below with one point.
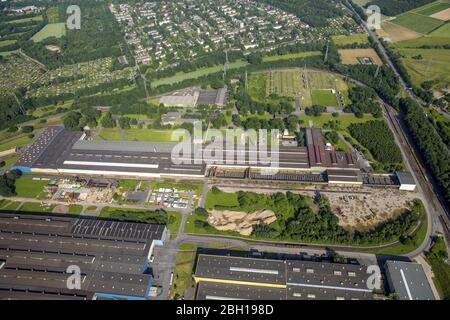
(224, 150)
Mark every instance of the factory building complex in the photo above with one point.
(56, 151)
(39, 254)
(244, 276)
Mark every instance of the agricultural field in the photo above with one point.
(291, 56)
(181, 76)
(434, 65)
(285, 83)
(418, 23)
(395, 33)
(443, 32)
(425, 19)
(50, 30)
(18, 71)
(354, 56)
(343, 40)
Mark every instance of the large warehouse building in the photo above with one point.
(235, 277)
(113, 257)
(56, 151)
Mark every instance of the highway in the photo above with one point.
(434, 204)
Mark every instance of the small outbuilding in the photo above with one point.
(406, 181)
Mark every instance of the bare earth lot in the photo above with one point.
(357, 208)
(442, 15)
(350, 56)
(241, 222)
(396, 33)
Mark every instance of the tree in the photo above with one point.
(8, 184)
(27, 129)
(72, 121)
(108, 121)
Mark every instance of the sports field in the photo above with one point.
(324, 98)
(50, 30)
(181, 76)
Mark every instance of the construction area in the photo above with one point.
(357, 208)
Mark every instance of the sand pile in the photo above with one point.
(241, 222)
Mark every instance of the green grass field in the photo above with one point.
(181, 76)
(342, 40)
(324, 98)
(435, 65)
(344, 120)
(424, 41)
(128, 185)
(50, 30)
(418, 23)
(291, 56)
(108, 134)
(442, 32)
(148, 135)
(53, 15)
(29, 188)
(7, 43)
(18, 142)
(75, 209)
(221, 199)
(36, 18)
(431, 8)
(36, 207)
(184, 265)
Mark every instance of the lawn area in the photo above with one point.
(128, 185)
(53, 15)
(9, 205)
(148, 135)
(324, 98)
(181, 76)
(18, 142)
(36, 207)
(108, 134)
(29, 188)
(344, 120)
(434, 65)
(182, 278)
(11, 161)
(50, 30)
(418, 23)
(44, 111)
(411, 245)
(173, 224)
(343, 40)
(291, 56)
(36, 18)
(75, 209)
(436, 258)
(220, 199)
(7, 42)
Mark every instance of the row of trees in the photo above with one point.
(432, 149)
